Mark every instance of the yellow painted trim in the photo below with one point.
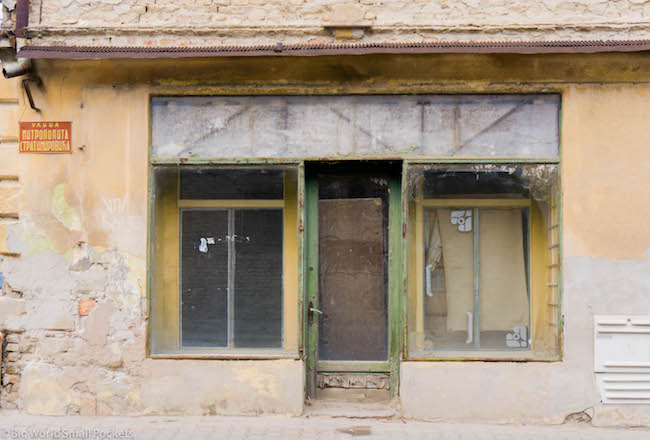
(476, 203)
(165, 302)
(226, 354)
(290, 252)
(538, 279)
(231, 203)
(419, 264)
(483, 355)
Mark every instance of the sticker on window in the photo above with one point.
(463, 219)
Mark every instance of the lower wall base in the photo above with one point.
(494, 392)
(622, 415)
(168, 387)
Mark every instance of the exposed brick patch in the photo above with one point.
(86, 305)
(17, 349)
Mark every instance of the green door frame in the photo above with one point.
(395, 281)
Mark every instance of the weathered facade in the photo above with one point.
(92, 256)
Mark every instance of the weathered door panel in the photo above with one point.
(352, 277)
(353, 293)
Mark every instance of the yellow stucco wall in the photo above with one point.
(606, 170)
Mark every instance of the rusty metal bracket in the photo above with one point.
(28, 91)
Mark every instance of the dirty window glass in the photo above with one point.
(481, 266)
(231, 267)
(204, 278)
(231, 184)
(257, 278)
(218, 258)
(451, 312)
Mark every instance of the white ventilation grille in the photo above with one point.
(622, 358)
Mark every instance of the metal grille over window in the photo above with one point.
(223, 257)
(482, 250)
(231, 278)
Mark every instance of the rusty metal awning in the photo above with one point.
(310, 49)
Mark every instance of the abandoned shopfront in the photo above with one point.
(247, 233)
(309, 254)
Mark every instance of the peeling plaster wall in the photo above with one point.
(174, 387)
(73, 232)
(606, 262)
(16, 350)
(213, 22)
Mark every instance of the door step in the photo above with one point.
(352, 403)
(375, 381)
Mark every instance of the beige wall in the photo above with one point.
(206, 22)
(73, 233)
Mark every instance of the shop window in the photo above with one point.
(483, 261)
(224, 261)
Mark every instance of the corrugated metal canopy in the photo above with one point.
(279, 49)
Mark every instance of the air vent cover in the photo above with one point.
(622, 358)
